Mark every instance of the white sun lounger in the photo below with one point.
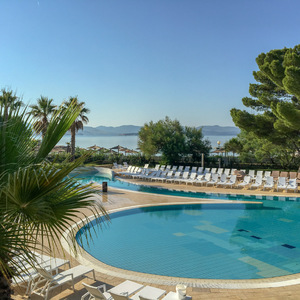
(161, 177)
(190, 179)
(223, 180)
(116, 166)
(128, 170)
(66, 277)
(281, 184)
(144, 174)
(148, 292)
(269, 183)
(184, 176)
(245, 182)
(214, 179)
(260, 173)
(227, 172)
(132, 171)
(206, 179)
(206, 170)
(154, 175)
(180, 168)
(220, 171)
(267, 174)
(200, 171)
(125, 288)
(162, 168)
(136, 175)
(176, 176)
(174, 296)
(194, 170)
(169, 175)
(231, 181)
(198, 179)
(100, 293)
(156, 168)
(213, 171)
(30, 273)
(95, 293)
(187, 169)
(292, 185)
(257, 183)
(252, 174)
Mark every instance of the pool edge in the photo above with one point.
(85, 258)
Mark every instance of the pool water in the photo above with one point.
(116, 183)
(212, 241)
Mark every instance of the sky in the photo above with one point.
(133, 61)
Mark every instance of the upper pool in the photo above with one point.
(114, 182)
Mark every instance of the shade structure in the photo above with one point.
(58, 150)
(219, 150)
(104, 149)
(95, 147)
(131, 151)
(119, 148)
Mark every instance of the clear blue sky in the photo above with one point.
(133, 61)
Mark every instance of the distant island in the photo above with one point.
(133, 130)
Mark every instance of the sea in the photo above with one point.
(128, 141)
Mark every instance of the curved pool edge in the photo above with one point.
(85, 258)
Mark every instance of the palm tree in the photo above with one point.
(78, 123)
(9, 100)
(41, 113)
(38, 201)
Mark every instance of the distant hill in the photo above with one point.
(133, 130)
(109, 130)
(219, 130)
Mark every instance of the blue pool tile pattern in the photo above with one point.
(223, 241)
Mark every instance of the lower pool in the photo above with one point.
(212, 241)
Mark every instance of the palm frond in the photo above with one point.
(58, 126)
(16, 150)
(48, 200)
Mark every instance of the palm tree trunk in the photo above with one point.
(44, 128)
(5, 290)
(73, 133)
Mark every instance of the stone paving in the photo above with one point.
(116, 199)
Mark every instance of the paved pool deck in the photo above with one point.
(287, 287)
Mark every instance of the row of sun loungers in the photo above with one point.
(128, 289)
(120, 167)
(219, 171)
(214, 177)
(40, 279)
(282, 184)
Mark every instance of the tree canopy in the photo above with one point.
(252, 149)
(42, 112)
(173, 141)
(78, 123)
(275, 99)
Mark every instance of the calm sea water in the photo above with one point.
(125, 141)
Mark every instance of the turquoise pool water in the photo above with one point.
(213, 241)
(114, 182)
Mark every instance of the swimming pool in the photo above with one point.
(116, 183)
(212, 241)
